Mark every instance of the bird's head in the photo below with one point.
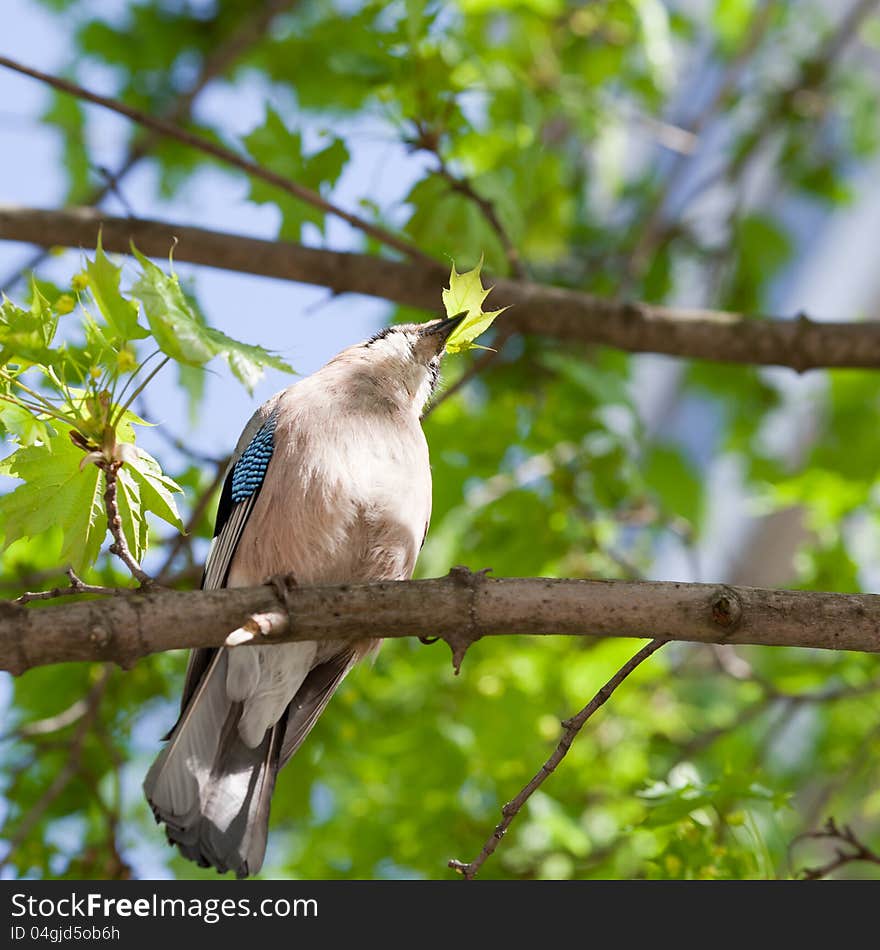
(401, 364)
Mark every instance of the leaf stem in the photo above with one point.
(31, 392)
(36, 409)
(139, 390)
(133, 376)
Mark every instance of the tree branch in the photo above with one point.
(800, 344)
(119, 547)
(464, 187)
(247, 31)
(572, 727)
(460, 608)
(223, 154)
(844, 838)
(76, 586)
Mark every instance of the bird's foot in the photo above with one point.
(282, 584)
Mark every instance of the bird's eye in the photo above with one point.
(434, 372)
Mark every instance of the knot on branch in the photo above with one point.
(284, 585)
(802, 356)
(467, 871)
(271, 622)
(100, 636)
(460, 640)
(726, 609)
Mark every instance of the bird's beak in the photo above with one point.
(443, 328)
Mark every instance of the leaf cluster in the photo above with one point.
(72, 365)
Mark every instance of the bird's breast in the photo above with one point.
(343, 499)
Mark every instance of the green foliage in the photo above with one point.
(762, 248)
(55, 493)
(275, 147)
(705, 764)
(182, 334)
(65, 398)
(68, 115)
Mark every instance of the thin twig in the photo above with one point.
(48, 725)
(113, 187)
(652, 228)
(119, 547)
(812, 76)
(572, 727)
(841, 779)
(177, 443)
(703, 740)
(844, 838)
(428, 140)
(76, 586)
(225, 155)
(464, 187)
(770, 697)
(847, 28)
(117, 868)
(249, 30)
(813, 73)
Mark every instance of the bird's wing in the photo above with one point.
(240, 490)
(244, 478)
(311, 698)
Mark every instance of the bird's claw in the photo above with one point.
(282, 584)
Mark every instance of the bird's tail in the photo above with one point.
(210, 789)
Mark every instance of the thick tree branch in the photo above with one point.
(800, 344)
(221, 153)
(460, 608)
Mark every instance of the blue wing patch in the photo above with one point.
(250, 469)
(240, 491)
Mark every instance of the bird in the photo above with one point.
(330, 482)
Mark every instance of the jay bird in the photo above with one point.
(330, 482)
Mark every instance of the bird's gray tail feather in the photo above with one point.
(211, 790)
